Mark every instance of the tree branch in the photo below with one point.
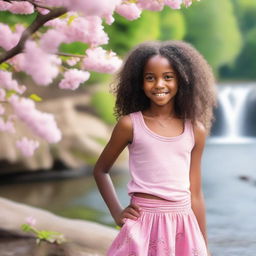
(37, 23)
(70, 55)
(30, 1)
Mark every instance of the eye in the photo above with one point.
(149, 78)
(168, 77)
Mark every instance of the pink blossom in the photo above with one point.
(8, 83)
(42, 66)
(129, 11)
(73, 78)
(100, 60)
(72, 61)
(57, 23)
(19, 29)
(109, 19)
(41, 123)
(9, 39)
(84, 29)
(77, 30)
(188, 2)
(51, 40)
(97, 36)
(101, 8)
(27, 148)
(174, 4)
(4, 6)
(42, 10)
(53, 3)
(17, 62)
(7, 126)
(31, 220)
(153, 5)
(23, 7)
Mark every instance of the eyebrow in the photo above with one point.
(163, 73)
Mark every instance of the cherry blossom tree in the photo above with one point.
(34, 50)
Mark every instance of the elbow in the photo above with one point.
(97, 172)
(96, 175)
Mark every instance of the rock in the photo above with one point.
(94, 238)
(28, 246)
(83, 134)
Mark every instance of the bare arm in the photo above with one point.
(121, 136)
(197, 196)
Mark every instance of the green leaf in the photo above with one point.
(10, 93)
(71, 19)
(4, 66)
(12, 19)
(26, 227)
(35, 97)
(63, 16)
(42, 234)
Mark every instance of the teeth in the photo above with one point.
(160, 94)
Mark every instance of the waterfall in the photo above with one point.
(233, 107)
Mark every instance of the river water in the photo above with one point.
(229, 184)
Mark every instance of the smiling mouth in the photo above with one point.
(160, 94)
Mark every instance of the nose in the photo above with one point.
(159, 84)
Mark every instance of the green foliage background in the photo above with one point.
(125, 34)
(103, 103)
(244, 66)
(213, 32)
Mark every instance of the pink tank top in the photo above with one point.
(160, 165)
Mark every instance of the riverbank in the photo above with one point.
(12, 245)
(84, 238)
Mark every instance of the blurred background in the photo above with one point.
(58, 178)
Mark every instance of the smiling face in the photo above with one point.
(160, 81)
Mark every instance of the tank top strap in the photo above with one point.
(135, 118)
(190, 130)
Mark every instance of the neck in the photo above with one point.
(161, 111)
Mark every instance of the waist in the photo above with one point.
(161, 205)
(169, 192)
(144, 195)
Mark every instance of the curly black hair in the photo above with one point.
(196, 96)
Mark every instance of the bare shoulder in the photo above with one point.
(125, 122)
(124, 126)
(200, 132)
(199, 128)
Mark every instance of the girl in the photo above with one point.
(165, 98)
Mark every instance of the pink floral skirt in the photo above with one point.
(164, 228)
